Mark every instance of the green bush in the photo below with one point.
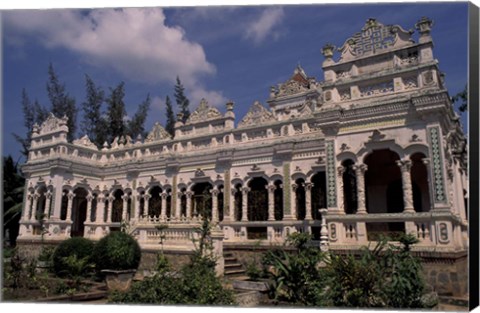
(79, 246)
(117, 251)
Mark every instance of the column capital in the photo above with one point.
(404, 165)
(308, 186)
(245, 190)
(36, 196)
(89, 198)
(189, 194)
(214, 192)
(294, 187)
(111, 198)
(49, 194)
(70, 195)
(234, 191)
(125, 197)
(271, 188)
(360, 168)
(340, 170)
(146, 197)
(164, 195)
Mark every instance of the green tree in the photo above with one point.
(170, 127)
(32, 114)
(136, 126)
(13, 187)
(94, 124)
(182, 101)
(62, 103)
(116, 112)
(462, 99)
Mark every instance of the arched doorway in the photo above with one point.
(238, 202)
(41, 202)
(79, 212)
(155, 202)
(258, 199)
(319, 192)
(220, 203)
(183, 202)
(202, 200)
(383, 192)
(421, 192)
(278, 200)
(300, 199)
(349, 187)
(117, 206)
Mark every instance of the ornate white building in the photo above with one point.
(374, 148)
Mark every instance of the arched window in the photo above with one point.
(258, 200)
(419, 175)
(155, 202)
(349, 187)
(278, 200)
(117, 206)
(319, 192)
(238, 202)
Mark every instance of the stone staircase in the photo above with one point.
(233, 268)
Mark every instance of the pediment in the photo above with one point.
(157, 133)
(203, 113)
(257, 115)
(52, 123)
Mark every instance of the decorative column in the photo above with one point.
(138, 198)
(178, 205)
(293, 208)
(308, 201)
(245, 191)
(34, 207)
(88, 218)
(163, 212)
(70, 197)
(271, 202)
(426, 162)
(125, 207)
(234, 202)
(189, 203)
(214, 193)
(405, 166)
(360, 170)
(28, 205)
(99, 218)
(341, 192)
(109, 210)
(146, 197)
(48, 203)
(323, 231)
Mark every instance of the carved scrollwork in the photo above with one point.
(85, 142)
(52, 123)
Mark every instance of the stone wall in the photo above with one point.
(176, 259)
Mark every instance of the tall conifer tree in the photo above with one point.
(62, 103)
(136, 124)
(182, 101)
(94, 124)
(170, 126)
(116, 112)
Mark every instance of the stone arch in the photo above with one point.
(417, 148)
(257, 199)
(299, 175)
(370, 147)
(41, 192)
(79, 211)
(420, 183)
(251, 177)
(347, 155)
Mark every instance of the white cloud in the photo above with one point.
(135, 42)
(265, 25)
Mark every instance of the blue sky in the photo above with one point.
(220, 53)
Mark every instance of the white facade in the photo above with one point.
(374, 148)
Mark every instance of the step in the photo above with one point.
(234, 272)
(235, 265)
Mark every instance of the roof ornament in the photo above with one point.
(257, 115)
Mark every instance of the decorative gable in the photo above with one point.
(373, 38)
(157, 133)
(296, 84)
(53, 123)
(203, 113)
(257, 115)
(85, 142)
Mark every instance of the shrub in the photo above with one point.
(79, 246)
(117, 251)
